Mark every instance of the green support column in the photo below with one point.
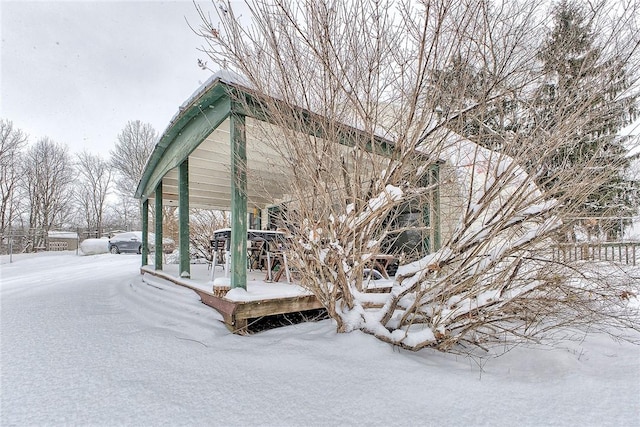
(238, 201)
(183, 212)
(435, 217)
(145, 232)
(158, 222)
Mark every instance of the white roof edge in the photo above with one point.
(63, 234)
(225, 76)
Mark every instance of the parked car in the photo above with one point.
(132, 242)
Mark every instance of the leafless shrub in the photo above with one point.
(360, 113)
(202, 224)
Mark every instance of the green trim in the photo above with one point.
(188, 140)
(310, 123)
(427, 238)
(183, 218)
(185, 134)
(238, 150)
(158, 225)
(434, 178)
(145, 232)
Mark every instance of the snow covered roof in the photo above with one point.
(63, 235)
(224, 76)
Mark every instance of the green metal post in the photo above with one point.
(183, 212)
(435, 217)
(158, 222)
(238, 201)
(145, 232)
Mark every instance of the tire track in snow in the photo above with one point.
(32, 274)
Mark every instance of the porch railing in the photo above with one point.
(622, 252)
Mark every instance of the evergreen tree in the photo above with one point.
(584, 84)
(580, 81)
(471, 103)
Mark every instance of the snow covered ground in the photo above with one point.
(85, 342)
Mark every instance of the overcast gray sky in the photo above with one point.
(78, 71)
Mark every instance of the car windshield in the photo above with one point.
(128, 236)
(138, 236)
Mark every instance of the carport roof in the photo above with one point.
(199, 132)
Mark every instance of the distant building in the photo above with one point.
(63, 241)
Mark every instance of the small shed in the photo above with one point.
(62, 241)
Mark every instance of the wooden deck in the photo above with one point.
(238, 315)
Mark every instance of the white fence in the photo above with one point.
(622, 252)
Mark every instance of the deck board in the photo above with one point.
(237, 314)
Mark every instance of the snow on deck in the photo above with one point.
(257, 287)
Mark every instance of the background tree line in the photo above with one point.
(44, 187)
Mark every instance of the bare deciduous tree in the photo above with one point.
(134, 146)
(124, 212)
(370, 74)
(92, 190)
(12, 142)
(129, 157)
(48, 177)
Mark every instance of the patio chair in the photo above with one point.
(220, 258)
(255, 255)
(276, 255)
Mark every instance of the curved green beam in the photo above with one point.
(184, 134)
